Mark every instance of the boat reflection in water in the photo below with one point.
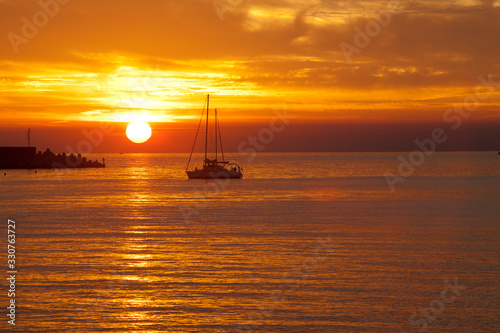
(213, 169)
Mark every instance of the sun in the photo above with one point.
(138, 131)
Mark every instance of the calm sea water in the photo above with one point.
(304, 243)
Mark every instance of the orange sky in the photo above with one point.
(91, 61)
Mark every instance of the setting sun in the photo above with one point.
(138, 131)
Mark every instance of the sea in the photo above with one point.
(305, 242)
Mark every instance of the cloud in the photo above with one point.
(488, 3)
(271, 49)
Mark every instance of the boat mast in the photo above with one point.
(215, 135)
(196, 137)
(206, 132)
(220, 140)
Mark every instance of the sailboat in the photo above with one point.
(213, 168)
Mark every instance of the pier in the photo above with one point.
(28, 158)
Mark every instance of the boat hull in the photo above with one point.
(214, 174)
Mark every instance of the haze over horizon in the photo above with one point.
(355, 75)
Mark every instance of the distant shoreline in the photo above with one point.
(302, 152)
